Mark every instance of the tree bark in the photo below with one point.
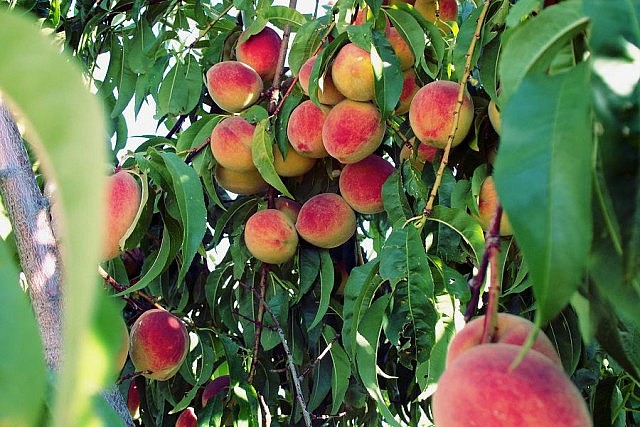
(39, 256)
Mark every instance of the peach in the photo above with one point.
(260, 51)
(271, 236)
(481, 388)
(448, 9)
(123, 201)
(361, 183)
(231, 141)
(133, 400)
(233, 85)
(326, 220)
(352, 73)
(293, 164)
(487, 204)
(304, 129)
(217, 385)
(123, 352)
(401, 48)
(510, 329)
(159, 344)
(242, 183)
(432, 110)
(289, 207)
(187, 418)
(328, 94)
(494, 116)
(425, 153)
(409, 89)
(352, 130)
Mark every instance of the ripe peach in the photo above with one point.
(123, 201)
(260, 51)
(352, 130)
(431, 113)
(487, 204)
(231, 141)
(401, 48)
(187, 418)
(328, 94)
(352, 73)
(426, 153)
(217, 385)
(494, 117)
(133, 400)
(289, 207)
(481, 388)
(361, 183)
(159, 344)
(242, 183)
(510, 329)
(233, 85)
(427, 8)
(271, 236)
(326, 220)
(409, 89)
(304, 129)
(293, 165)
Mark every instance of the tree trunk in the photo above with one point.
(39, 256)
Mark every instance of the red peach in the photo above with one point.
(233, 85)
(213, 387)
(187, 418)
(231, 141)
(352, 130)
(293, 164)
(260, 51)
(448, 9)
(133, 400)
(271, 236)
(425, 153)
(409, 89)
(326, 220)
(361, 183)
(304, 129)
(159, 344)
(289, 207)
(432, 110)
(487, 205)
(352, 73)
(123, 201)
(242, 183)
(328, 94)
(401, 48)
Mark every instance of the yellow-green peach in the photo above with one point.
(326, 220)
(260, 51)
(352, 130)
(123, 351)
(431, 113)
(483, 388)
(231, 141)
(409, 89)
(242, 183)
(361, 183)
(487, 205)
(159, 344)
(448, 9)
(123, 201)
(304, 129)
(494, 117)
(352, 73)
(271, 236)
(401, 48)
(293, 164)
(233, 85)
(328, 94)
(217, 385)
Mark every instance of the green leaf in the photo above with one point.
(366, 354)
(281, 16)
(198, 132)
(206, 357)
(533, 44)
(550, 159)
(143, 48)
(394, 199)
(22, 367)
(341, 369)
(521, 10)
(306, 41)
(463, 224)
(326, 286)
(321, 65)
(181, 88)
(409, 29)
(262, 153)
(387, 74)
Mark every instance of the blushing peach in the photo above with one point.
(361, 183)
(401, 48)
(352, 130)
(304, 129)
(487, 205)
(510, 329)
(271, 236)
(448, 9)
(328, 94)
(352, 73)
(326, 220)
(233, 85)
(133, 400)
(432, 110)
(231, 141)
(481, 388)
(123, 201)
(260, 51)
(187, 418)
(409, 89)
(289, 207)
(293, 164)
(425, 153)
(494, 117)
(242, 183)
(217, 385)
(159, 344)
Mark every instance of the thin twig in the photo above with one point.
(118, 287)
(456, 115)
(176, 127)
(195, 151)
(317, 360)
(262, 291)
(210, 26)
(491, 315)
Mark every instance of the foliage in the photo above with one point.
(567, 172)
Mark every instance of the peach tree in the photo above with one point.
(330, 191)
